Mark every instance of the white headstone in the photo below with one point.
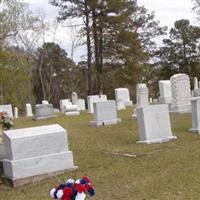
(44, 111)
(81, 104)
(195, 83)
(45, 102)
(196, 93)
(181, 94)
(122, 94)
(16, 112)
(165, 92)
(36, 151)
(195, 104)
(142, 94)
(150, 100)
(94, 99)
(154, 124)
(7, 108)
(29, 112)
(74, 98)
(105, 113)
(71, 110)
(63, 103)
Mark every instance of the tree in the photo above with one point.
(52, 73)
(181, 51)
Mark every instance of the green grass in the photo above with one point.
(168, 171)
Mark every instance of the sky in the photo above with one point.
(166, 11)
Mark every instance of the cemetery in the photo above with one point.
(99, 100)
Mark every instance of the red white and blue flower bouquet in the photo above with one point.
(73, 190)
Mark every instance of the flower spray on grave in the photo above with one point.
(73, 190)
(5, 121)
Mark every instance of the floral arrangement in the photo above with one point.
(5, 120)
(73, 190)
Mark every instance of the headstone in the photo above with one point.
(142, 94)
(29, 112)
(122, 94)
(71, 110)
(120, 105)
(195, 83)
(74, 98)
(195, 104)
(196, 93)
(7, 108)
(105, 113)
(81, 104)
(142, 97)
(154, 124)
(16, 112)
(150, 100)
(181, 94)
(34, 153)
(94, 99)
(45, 102)
(44, 111)
(165, 92)
(63, 103)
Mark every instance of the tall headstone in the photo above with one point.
(94, 99)
(16, 112)
(44, 111)
(105, 113)
(154, 124)
(195, 83)
(165, 92)
(122, 94)
(7, 108)
(195, 104)
(181, 94)
(29, 112)
(36, 153)
(74, 98)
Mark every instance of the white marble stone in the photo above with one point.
(94, 99)
(181, 94)
(44, 111)
(7, 108)
(150, 100)
(36, 151)
(196, 93)
(195, 104)
(142, 95)
(16, 112)
(45, 102)
(63, 103)
(154, 124)
(195, 83)
(105, 113)
(165, 92)
(29, 112)
(81, 104)
(74, 98)
(122, 94)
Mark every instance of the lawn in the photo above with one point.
(168, 171)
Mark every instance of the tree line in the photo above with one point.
(119, 37)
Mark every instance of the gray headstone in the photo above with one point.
(44, 111)
(196, 92)
(74, 98)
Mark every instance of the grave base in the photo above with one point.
(72, 113)
(105, 122)
(33, 179)
(160, 140)
(43, 117)
(194, 130)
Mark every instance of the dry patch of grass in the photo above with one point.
(165, 171)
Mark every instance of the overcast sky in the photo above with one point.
(166, 11)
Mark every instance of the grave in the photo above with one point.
(94, 99)
(105, 113)
(7, 108)
(122, 94)
(29, 112)
(195, 104)
(44, 111)
(45, 102)
(154, 124)
(165, 92)
(181, 94)
(63, 103)
(16, 112)
(32, 154)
